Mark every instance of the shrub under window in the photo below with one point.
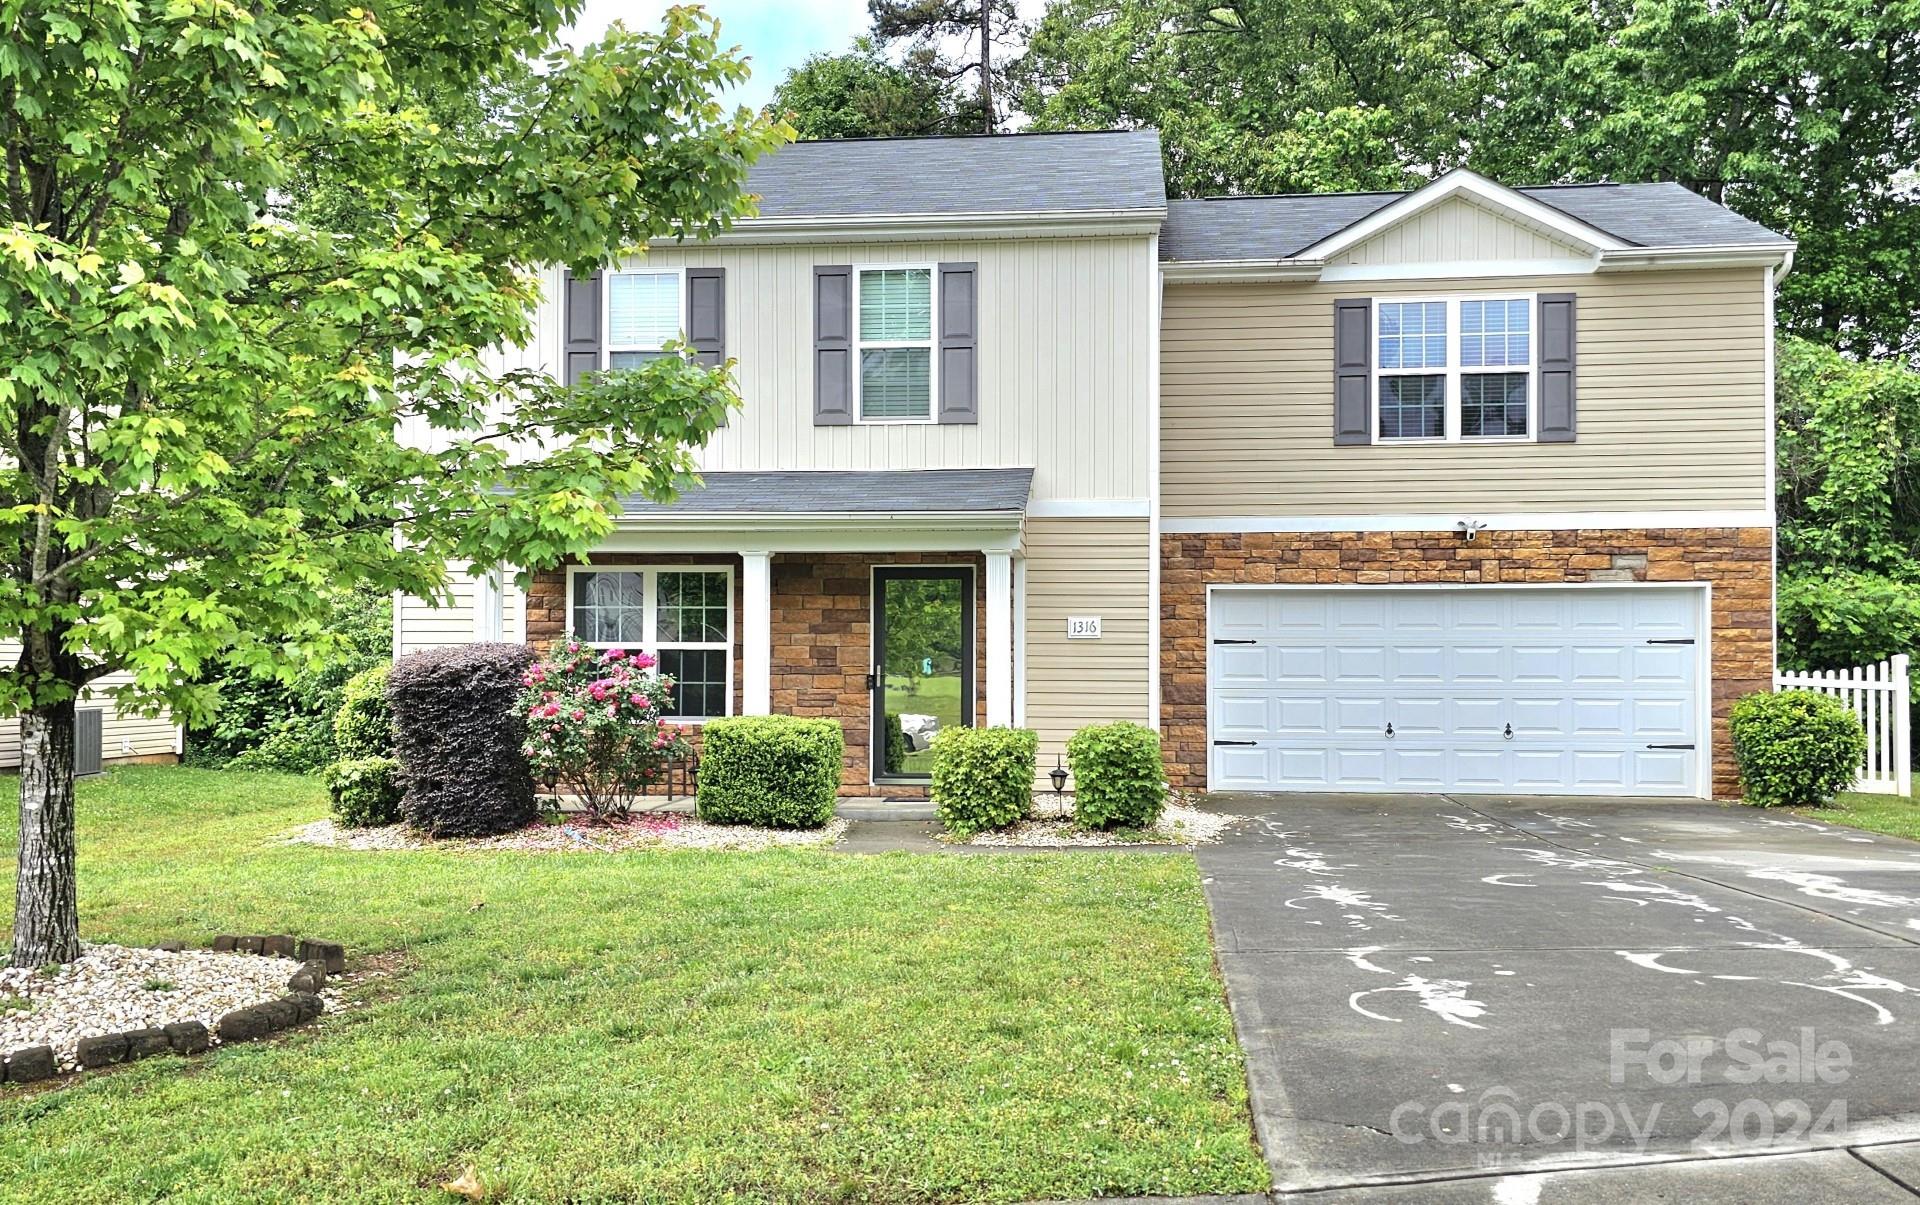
(778, 771)
(1797, 748)
(365, 791)
(594, 727)
(458, 734)
(982, 777)
(1118, 781)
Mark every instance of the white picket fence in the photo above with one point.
(1879, 695)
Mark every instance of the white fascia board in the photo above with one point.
(1090, 508)
(1464, 182)
(1463, 269)
(1240, 271)
(829, 228)
(1620, 520)
(1758, 255)
(920, 531)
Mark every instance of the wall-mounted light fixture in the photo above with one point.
(1471, 528)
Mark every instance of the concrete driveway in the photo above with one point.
(1475, 999)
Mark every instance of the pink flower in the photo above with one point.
(614, 655)
(578, 715)
(636, 700)
(645, 660)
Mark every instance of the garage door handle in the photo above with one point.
(1217, 640)
(1670, 746)
(1248, 743)
(1672, 640)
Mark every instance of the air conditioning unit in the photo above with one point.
(88, 731)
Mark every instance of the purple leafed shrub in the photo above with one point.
(458, 733)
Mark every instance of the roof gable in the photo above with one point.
(1456, 230)
(1484, 196)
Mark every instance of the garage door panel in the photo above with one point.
(1359, 663)
(1413, 664)
(1535, 690)
(1237, 665)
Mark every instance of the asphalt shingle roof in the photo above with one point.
(1001, 173)
(845, 492)
(1265, 228)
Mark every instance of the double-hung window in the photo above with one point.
(682, 615)
(1454, 368)
(645, 312)
(893, 332)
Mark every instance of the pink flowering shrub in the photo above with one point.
(594, 727)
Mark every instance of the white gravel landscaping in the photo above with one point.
(1051, 824)
(654, 830)
(112, 989)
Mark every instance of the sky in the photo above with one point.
(776, 34)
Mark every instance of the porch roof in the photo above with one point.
(845, 492)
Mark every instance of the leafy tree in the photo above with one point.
(927, 26)
(1259, 96)
(1796, 113)
(1849, 498)
(861, 94)
(240, 258)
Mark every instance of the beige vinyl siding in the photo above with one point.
(1065, 330)
(1672, 404)
(1085, 567)
(420, 626)
(1457, 230)
(122, 734)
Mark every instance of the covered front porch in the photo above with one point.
(890, 601)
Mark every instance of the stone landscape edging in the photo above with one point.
(301, 1004)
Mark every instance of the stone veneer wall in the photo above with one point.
(1738, 562)
(822, 615)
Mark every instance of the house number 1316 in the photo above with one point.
(1083, 627)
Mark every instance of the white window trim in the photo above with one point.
(607, 349)
(650, 620)
(1450, 426)
(931, 343)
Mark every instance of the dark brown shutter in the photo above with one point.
(707, 315)
(832, 346)
(580, 338)
(1559, 337)
(1353, 371)
(959, 343)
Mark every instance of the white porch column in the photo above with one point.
(756, 633)
(999, 638)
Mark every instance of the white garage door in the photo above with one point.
(1530, 691)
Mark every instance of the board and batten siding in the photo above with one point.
(1672, 404)
(122, 734)
(1085, 567)
(1457, 231)
(419, 626)
(1065, 339)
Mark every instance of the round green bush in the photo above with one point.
(982, 777)
(1797, 748)
(297, 744)
(365, 791)
(1118, 781)
(363, 727)
(775, 771)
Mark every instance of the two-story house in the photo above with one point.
(1464, 489)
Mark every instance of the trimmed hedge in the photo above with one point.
(459, 735)
(1797, 748)
(776, 771)
(982, 777)
(363, 727)
(1118, 781)
(365, 791)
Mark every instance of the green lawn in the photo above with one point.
(793, 1025)
(1894, 815)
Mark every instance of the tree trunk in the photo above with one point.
(986, 62)
(46, 912)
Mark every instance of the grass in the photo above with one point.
(790, 1026)
(937, 696)
(1894, 815)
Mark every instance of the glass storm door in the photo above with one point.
(922, 665)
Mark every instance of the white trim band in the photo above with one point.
(1488, 521)
(1089, 508)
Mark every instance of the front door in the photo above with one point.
(922, 665)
